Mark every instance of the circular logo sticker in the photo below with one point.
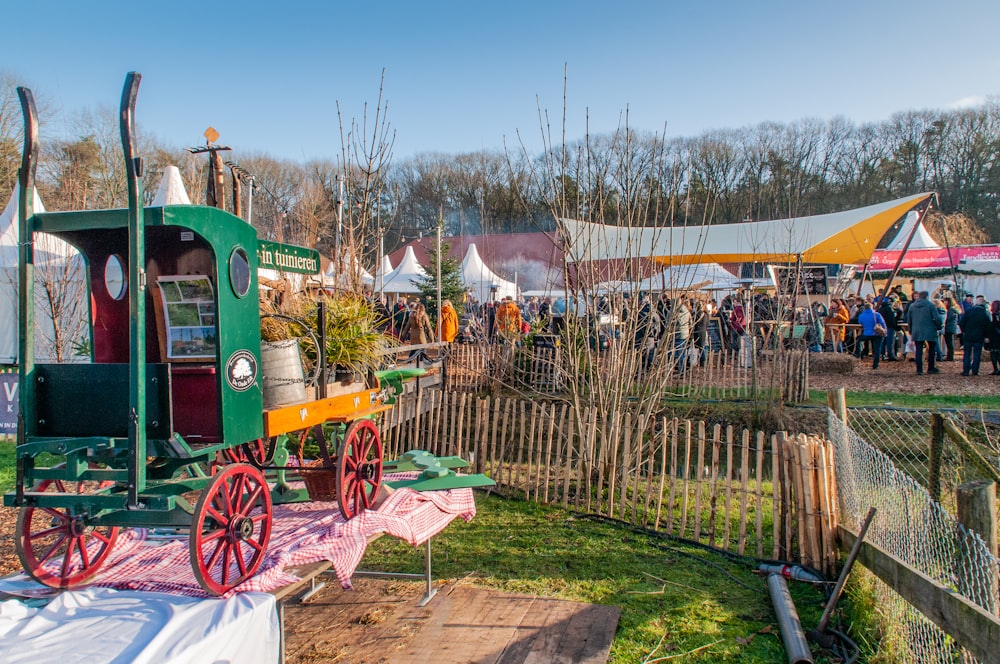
(241, 370)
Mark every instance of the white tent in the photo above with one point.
(705, 276)
(171, 191)
(59, 273)
(921, 239)
(847, 237)
(404, 278)
(269, 279)
(481, 281)
(980, 277)
(384, 269)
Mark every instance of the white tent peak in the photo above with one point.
(59, 264)
(46, 247)
(171, 191)
(384, 269)
(410, 264)
(921, 239)
(480, 280)
(404, 278)
(8, 218)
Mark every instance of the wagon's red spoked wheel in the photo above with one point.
(359, 468)
(224, 458)
(256, 452)
(231, 528)
(259, 453)
(58, 548)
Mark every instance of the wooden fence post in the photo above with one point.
(977, 511)
(934, 459)
(827, 503)
(837, 401)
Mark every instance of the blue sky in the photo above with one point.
(465, 76)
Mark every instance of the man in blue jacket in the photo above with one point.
(925, 321)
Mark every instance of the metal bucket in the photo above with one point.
(281, 368)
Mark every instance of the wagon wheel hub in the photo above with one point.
(241, 528)
(77, 526)
(368, 471)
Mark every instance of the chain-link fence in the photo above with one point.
(905, 437)
(916, 530)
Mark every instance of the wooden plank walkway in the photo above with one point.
(379, 621)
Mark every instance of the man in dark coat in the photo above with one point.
(925, 321)
(976, 329)
(891, 325)
(647, 332)
(400, 315)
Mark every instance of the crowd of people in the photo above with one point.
(678, 327)
(885, 327)
(930, 327)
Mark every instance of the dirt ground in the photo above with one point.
(902, 377)
(8, 559)
(889, 377)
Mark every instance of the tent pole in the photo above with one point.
(805, 291)
(871, 280)
(861, 281)
(439, 258)
(899, 262)
(951, 263)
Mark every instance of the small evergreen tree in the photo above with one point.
(451, 282)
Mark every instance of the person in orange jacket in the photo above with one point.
(448, 321)
(837, 317)
(508, 320)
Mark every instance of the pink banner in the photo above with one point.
(917, 259)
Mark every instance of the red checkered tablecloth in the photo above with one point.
(301, 533)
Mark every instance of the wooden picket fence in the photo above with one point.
(468, 367)
(718, 374)
(769, 496)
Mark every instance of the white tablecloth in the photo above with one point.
(104, 625)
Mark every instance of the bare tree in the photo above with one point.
(366, 154)
(10, 134)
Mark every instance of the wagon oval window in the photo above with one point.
(239, 272)
(114, 277)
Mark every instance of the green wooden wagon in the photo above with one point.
(165, 427)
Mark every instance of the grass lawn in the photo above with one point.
(7, 466)
(677, 599)
(921, 401)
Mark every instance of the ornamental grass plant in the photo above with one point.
(354, 340)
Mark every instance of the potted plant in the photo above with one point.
(355, 344)
(288, 364)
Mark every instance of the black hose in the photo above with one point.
(735, 557)
(844, 647)
(843, 639)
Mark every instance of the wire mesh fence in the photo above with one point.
(915, 529)
(904, 436)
